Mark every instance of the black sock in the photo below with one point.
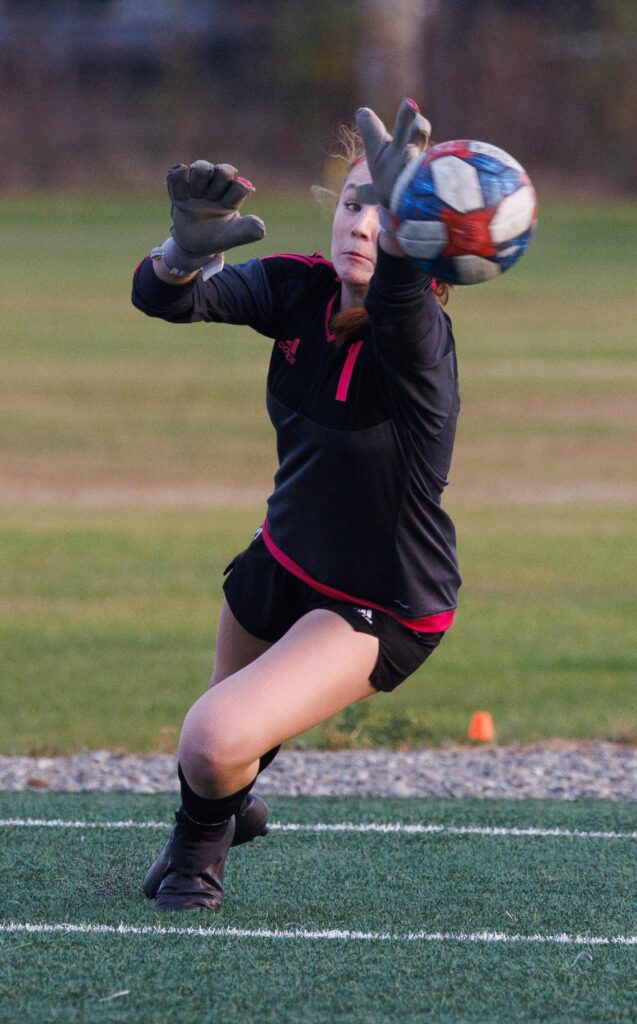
(268, 758)
(209, 812)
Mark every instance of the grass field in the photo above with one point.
(444, 925)
(135, 458)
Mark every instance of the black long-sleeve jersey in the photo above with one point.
(364, 433)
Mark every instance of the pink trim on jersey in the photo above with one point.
(346, 373)
(330, 335)
(425, 624)
(310, 261)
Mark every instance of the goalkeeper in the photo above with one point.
(352, 580)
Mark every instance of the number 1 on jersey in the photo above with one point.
(346, 373)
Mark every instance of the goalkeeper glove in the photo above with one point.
(206, 220)
(388, 155)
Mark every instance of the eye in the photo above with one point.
(352, 206)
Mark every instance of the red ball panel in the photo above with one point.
(468, 233)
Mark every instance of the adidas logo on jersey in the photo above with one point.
(366, 613)
(289, 348)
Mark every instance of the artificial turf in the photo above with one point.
(376, 883)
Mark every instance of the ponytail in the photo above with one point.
(350, 321)
(355, 320)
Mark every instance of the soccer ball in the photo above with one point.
(465, 211)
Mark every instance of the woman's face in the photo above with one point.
(355, 233)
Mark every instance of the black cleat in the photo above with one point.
(193, 878)
(251, 821)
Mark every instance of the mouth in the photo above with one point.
(358, 256)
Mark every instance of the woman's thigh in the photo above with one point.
(318, 668)
(236, 648)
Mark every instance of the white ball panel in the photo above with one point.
(474, 269)
(514, 215)
(486, 149)
(457, 183)
(422, 239)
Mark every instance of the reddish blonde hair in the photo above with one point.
(351, 152)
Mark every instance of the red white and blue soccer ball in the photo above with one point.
(466, 211)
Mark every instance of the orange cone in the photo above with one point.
(481, 728)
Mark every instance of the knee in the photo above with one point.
(211, 744)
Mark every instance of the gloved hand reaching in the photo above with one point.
(206, 220)
(388, 155)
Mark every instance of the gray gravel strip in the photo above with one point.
(566, 771)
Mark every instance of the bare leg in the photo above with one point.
(318, 668)
(236, 648)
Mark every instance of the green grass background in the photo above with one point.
(369, 882)
(135, 458)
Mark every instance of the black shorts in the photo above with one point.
(267, 600)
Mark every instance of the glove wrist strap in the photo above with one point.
(181, 263)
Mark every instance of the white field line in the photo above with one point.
(338, 827)
(331, 934)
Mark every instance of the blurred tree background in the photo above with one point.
(99, 92)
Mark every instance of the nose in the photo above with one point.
(366, 222)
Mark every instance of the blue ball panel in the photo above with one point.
(520, 243)
(442, 269)
(490, 164)
(421, 206)
(496, 188)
